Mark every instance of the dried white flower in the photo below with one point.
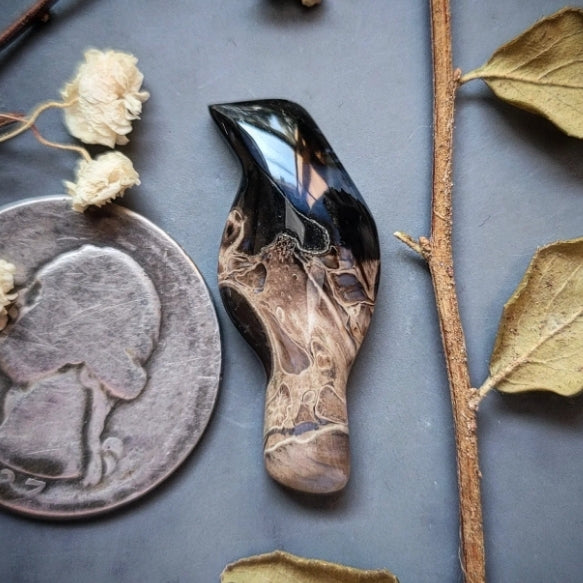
(101, 180)
(105, 98)
(6, 284)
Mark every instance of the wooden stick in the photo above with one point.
(38, 12)
(464, 398)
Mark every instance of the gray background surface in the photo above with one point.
(362, 69)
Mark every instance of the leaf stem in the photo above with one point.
(464, 398)
(475, 74)
(488, 385)
(38, 12)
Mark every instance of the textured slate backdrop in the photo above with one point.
(362, 69)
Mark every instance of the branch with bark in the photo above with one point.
(437, 251)
(39, 12)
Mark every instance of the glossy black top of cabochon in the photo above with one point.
(293, 180)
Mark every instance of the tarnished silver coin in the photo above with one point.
(110, 365)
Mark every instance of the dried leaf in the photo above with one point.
(280, 567)
(541, 70)
(540, 340)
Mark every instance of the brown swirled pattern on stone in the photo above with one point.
(298, 273)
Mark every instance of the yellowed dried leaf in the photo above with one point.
(539, 346)
(280, 567)
(541, 70)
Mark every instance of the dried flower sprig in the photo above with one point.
(99, 103)
(6, 285)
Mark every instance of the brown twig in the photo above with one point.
(38, 12)
(437, 251)
(439, 255)
(463, 397)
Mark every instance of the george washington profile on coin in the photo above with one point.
(89, 323)
(110, 363)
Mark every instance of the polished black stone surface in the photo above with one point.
(298, 273)
(293, 181)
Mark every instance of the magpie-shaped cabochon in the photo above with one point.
(298, 274)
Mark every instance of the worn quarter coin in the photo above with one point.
(110, 364)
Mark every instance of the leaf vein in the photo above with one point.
(562, 288)
(505, 373)
(559, 66)
(530, 81)
(540, 53)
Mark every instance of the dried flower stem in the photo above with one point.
(38, 12)
(6, 118)
(70, 147)
(464, 398)
(29, 121)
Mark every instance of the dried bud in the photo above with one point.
(101, 180)
(105, 98)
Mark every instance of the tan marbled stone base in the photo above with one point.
(317, 462)
(314, 311)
